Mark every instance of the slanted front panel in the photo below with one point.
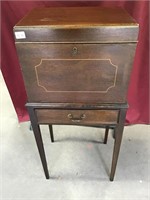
(76, 72)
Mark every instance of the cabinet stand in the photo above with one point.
(118, 128)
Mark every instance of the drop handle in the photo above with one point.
(74, 50)
(76, 119)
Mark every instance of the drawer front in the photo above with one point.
(91, 117)
(76, 72)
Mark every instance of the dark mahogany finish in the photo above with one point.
(91, 117)
(76, 64)
(95, 73)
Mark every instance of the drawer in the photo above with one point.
(87, 117)
(67, 73)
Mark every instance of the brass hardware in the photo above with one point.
(76, 119)
(74, 50)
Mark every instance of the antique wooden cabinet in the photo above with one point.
(76, 64)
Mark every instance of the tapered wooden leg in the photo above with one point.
(106, 134)
(38, 138)
(118, 138)
(113, 133)
(30, 127)
(51, 132)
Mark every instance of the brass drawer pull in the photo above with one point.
(76, 119)
(74, 50)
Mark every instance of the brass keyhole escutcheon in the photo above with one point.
(74, 50)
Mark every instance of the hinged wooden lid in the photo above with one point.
(77, 24)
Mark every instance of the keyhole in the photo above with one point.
(74, 50)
